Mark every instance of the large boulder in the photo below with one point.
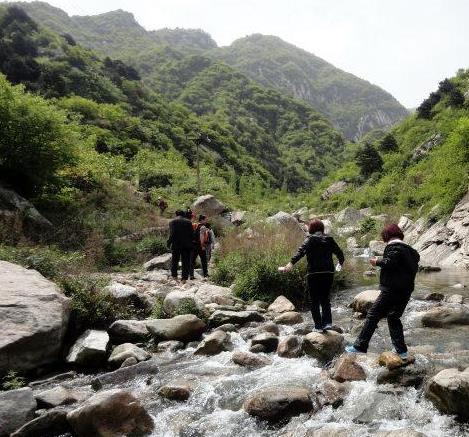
(290, 347)
(278, 404)
(111, 413)
(347, 369)
(289, 318)
(60, 395)
(90, 348)
(287, 221)
(180, 301)
(377, 247)
(248, 359)
(392, 361)
(363, 301)
(185, 327)
(208, 205)
(128, 350)
(161, 262)
(50, 423)
(128, 331)
(121, 292)
(449, 392)
(323, 346)
(16, 408)
(222, 317)
(210, 293)
(349, 216)
(336, 188)
(213, 344)
(266, 339)
(34, 317)
(281, 305)
(445, 316)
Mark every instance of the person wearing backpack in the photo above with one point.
(201, 238)
(210, 242)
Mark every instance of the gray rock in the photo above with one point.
(130, 361)
(266, 339)
(278, 404)
(336, 188)
(249, 359)
(377, 247)
(51, 423)
(350, 216)
(128, 331)
(347, 369)
(437, 297)
(162, 262)
(445, 316)
(281, 305)
(363, 301)
(424, 149)
(270, 327)
(449, 392)
(186, 327)
(90, 348)
(176, 301)
(128, 350)
(209, 293)
(228, 327)
(208, 205)
(287, 221)
(213, 344)
(290, 347)
(221, 317)
(330, 392)
(34, 317)
(323, 346)
(60, 395)
(16, 408)
(289, 318)
(147, 369)
(111, 413)
(121, 292)
(258, 349)
(238, 217)
(175, 392)
(170, 346)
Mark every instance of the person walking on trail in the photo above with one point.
(211, 242)
(200, 243)
(162, 205)
(181, 244)
(318, 249)
(399, 265)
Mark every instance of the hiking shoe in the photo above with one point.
(403, 355)
(328, 327)
(353, 350)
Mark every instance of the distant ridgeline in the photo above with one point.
(354, 106)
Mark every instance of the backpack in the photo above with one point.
(201, 235)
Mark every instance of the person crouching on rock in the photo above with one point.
(181, 244)
(399, 265)
(318, 248)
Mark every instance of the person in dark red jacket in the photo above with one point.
(399, 265)
(319, 248)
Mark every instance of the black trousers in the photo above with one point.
(390, 305)
(319, 289)
(202, 253)
(185, 256)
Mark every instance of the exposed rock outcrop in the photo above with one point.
(208, 205)
(16, 408)
(336, 188)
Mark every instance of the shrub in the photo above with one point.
(388, 144)
(12, 381)
(368, 160)
(152, 245)
(158, 311)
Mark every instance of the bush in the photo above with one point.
(368, 160)
(152, 245)
(158, 311)
(388, 144)
(12, 381)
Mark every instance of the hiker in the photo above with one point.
(181, 244)
(211, 241)
(200, 242)
(162, 205)
(189, 214)
(318, 248)
(399, 265)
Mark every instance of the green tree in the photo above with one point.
(388, 143)
(368, 160)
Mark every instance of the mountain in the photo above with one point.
(353, 105)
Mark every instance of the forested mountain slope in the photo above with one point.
(353, 105)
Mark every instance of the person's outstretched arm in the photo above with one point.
(390, 259)
(299, 254)
(337, 251)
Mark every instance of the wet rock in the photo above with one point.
(258, 349)
(177, 301)
(90, 348)
(261, 304)
(53, 379)
(442, 317)
(51, 423)
(16, 408)
(121, 292)
(328, 431)
(130, 361)
(330, 392)
(391, 360)
(213, 344)
(407, 376)
(221, 317)
(449, 392)
(60, 395)
(347, 369)
(323, 346)
(335, 188)
(111, 413)
(270, 327)
(247, 359)
(128, 331)
(186, 327)
(377, 247)
(208, 205)
(350, 216)
(125, 374)
(162, 262)
(290, 347)
(127, 350)
(289, 318)
(266, 339)
(34, 316)
(278, 404)
(281, 305)
(455, 299)
(228, 327)
(437, 297)
(175, 392)
(170, 346)
(405, 432)
(363, 301)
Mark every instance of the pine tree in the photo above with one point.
(369, 160)
(388, 143)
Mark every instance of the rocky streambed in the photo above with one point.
(254, 369)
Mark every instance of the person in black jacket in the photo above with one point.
(181, 244)
(319, 249)
(399, 265)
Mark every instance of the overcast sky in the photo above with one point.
(404, 46)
